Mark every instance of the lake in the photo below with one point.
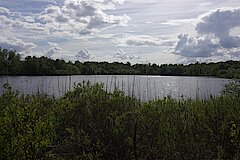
(142, 87)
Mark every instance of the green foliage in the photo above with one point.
(89, 123)
(232, 88)
(27, 126)
(11, 63)
(168, 129)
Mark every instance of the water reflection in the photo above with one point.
(142, 87)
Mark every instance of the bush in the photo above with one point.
(232, 88)
(89, 123)
(27, 126)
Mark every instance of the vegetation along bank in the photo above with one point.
(11, 63)
(89, 123)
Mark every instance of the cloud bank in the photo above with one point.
(84, 55)
(213, 37)
(82, 16)
(138, 40)
(219, 23)
(13, 43)
(120, 54)
(53, 49)
(72, 17)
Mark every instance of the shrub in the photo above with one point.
(232, 88)
(89, 123)
(27, 126)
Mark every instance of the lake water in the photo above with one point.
(142, 87)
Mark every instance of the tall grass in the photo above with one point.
(90, 123)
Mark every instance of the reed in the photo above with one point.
(90, 123)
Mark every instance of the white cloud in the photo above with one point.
(197, 46)
(178, 22)
(13, 43)
(82, 16)
(79, 24)
(4, 11)
(15, 21)
(120, 54)
(84, 54)
(53, 49)
(138, 40)
(73, 17)
(213, 39)
(235, 32)
(220, 22)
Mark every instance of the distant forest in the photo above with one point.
(11, 63)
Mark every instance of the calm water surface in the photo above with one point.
(142, 87)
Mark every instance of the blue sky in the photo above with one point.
(136, 31)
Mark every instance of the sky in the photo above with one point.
(135, 31)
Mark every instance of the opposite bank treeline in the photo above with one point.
(12, 64)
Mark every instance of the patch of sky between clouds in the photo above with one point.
(26, 6)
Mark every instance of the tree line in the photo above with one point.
(11, 63)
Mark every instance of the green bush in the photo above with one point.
(27, 126)
(232, 88)
(87, 127)
(89, 123)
